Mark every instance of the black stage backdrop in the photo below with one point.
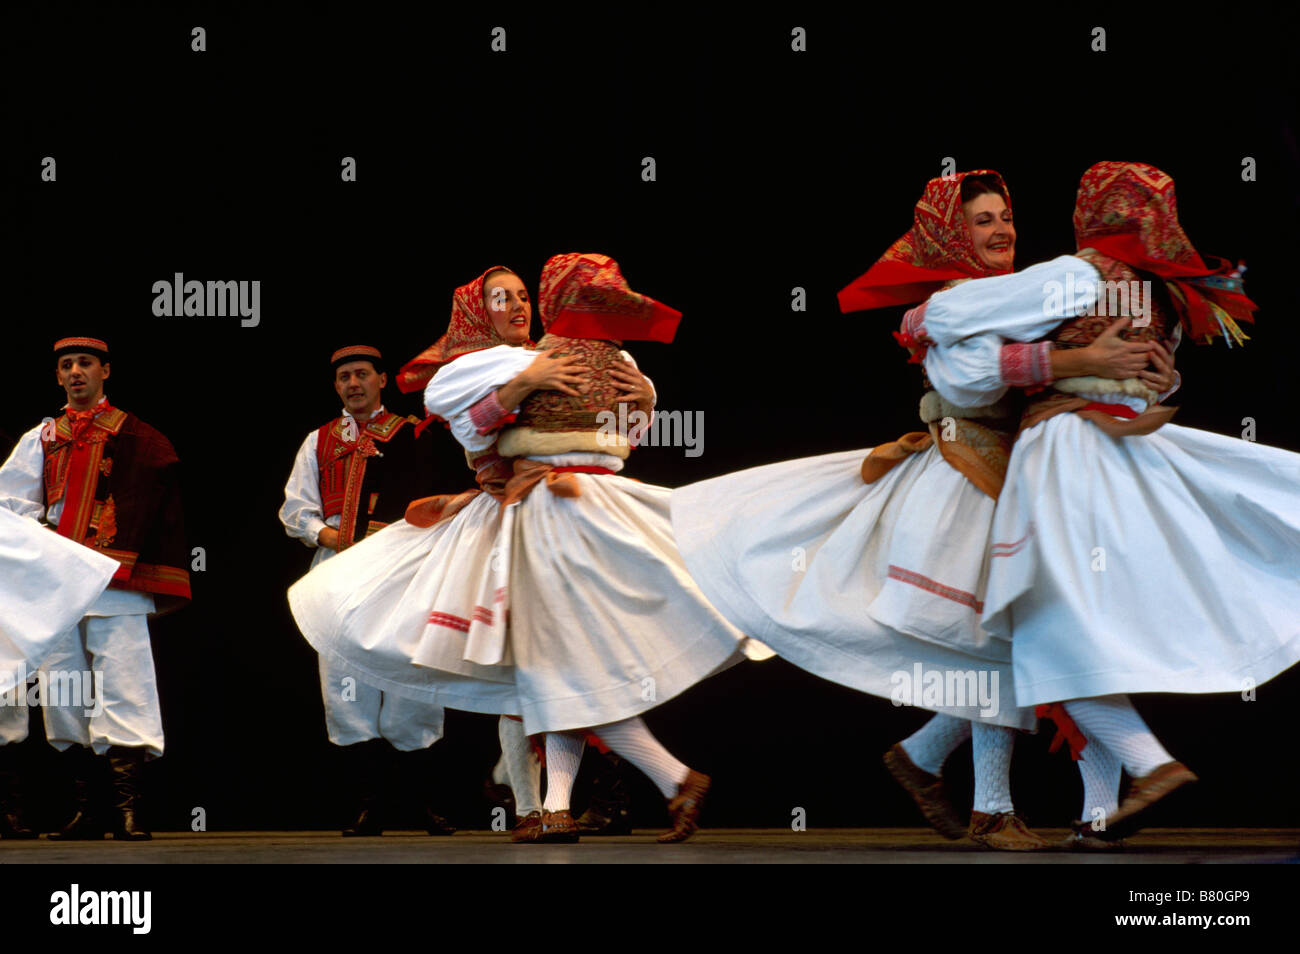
(775, 169)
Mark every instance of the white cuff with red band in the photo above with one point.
(914, 323)
(1025, 365)
(487, 414)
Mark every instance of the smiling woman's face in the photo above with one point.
(989, 221)
(509, 307)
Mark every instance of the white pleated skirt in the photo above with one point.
(878, 587)
(568, 611)
(605, 620)
(1162, 563)
(370, 607)
(47, 583)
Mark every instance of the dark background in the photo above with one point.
(775, 169)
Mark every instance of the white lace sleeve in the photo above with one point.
(22, 481)
(1020, 307)
(968, 373)
(455, 391)
(302, 512)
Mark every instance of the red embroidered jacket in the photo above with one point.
(368, 475)
(119, 482)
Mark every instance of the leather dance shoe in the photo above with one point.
(609, 812)
(367, 824)
(595, 822)
(14, 825)
(435, 824)
(684, 808)
(368, 767)
(1004, 831)
(86, 771)
(82, 827)
(1083, 838)
(927, 791)
(1145, 792)
(558, 828)
(528, 830)
(13, 791)
(126, 764)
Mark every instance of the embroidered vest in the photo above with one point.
(90, 518)
(553, 423)
(345, 452)
(118, 481)
(1115, 301)
(364, 472)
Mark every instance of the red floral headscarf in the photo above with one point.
(584, 295)
(470, 329)
(1127, 211)
(937, 249)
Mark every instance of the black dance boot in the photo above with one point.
(417, 785)
(13, 790)
(609, 811)
(366, 767)
(126, 764)
(86, 770)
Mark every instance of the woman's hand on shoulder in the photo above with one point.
(552, 372)
(1164, 377)
(1110, 356)
(633, 386)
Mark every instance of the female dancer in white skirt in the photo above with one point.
(47, 583)
(421, 610)
(605, 622)
(1128, 556)
(374, 604)
(872, 574)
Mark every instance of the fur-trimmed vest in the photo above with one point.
(1114, 303)
(553, 423)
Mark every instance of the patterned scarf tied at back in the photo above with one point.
(470, 329)
(936, 250)
(1127, 211)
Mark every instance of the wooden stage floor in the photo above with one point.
(710, 846)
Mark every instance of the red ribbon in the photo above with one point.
(78, 421)
(917, 348)
(431, 419)
(1117, 410)
(79, 491)
(1067, 730)
(581, 469)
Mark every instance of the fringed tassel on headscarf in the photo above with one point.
(1196, 304)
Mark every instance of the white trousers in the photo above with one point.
(356, 711)
(113, 654)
